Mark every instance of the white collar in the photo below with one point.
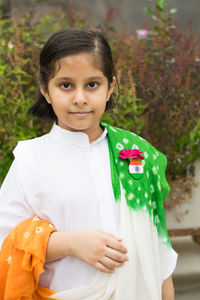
(76, 138)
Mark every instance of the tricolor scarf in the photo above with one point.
(142, 226)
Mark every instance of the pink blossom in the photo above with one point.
(142, 33)
(127, 153)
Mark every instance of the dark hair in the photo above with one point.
(64, 43)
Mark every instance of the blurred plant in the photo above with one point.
(160, 6)
(167, 75)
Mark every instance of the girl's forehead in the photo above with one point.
(83, 63)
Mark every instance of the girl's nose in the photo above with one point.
(79, 97)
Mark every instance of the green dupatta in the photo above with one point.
(147, 193)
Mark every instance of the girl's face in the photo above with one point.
(78, 93)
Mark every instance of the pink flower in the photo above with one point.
(127, 153)
(142, 33)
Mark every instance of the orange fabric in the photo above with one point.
(135, 162)
(22, 258)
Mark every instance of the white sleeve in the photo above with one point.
(168, 263)
(13, 205)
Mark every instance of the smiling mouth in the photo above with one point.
(80, 114)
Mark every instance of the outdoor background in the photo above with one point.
(156, 51)
(131, 11)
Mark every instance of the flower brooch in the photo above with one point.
(135, 165)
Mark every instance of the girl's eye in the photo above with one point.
(65, 85)
(92, 85)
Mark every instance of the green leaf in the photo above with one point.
(148, 11)
(172, 26)
(173, 11)
(156, 28)
(162, 4)
(159, 7)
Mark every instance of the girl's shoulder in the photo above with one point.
(29, 148)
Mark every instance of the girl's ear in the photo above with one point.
(45, 93)
(111, 88)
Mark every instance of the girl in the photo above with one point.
(111, 240)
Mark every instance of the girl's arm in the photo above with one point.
(168, 289)
(57, 246)
(100, 249)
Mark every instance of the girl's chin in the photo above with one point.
(75, 127)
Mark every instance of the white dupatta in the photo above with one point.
(142, 275)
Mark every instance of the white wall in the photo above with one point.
(187, 215)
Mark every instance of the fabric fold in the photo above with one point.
(141, 276)
(22, 259)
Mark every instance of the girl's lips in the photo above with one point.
(81, 114)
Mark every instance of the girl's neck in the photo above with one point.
(93, 135)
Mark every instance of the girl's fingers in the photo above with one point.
(113, 236)
(110, 263)
(117, 245)
(115, 255)
(99, 266)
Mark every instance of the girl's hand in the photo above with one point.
(100, 249)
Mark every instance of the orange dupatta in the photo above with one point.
(22, 259)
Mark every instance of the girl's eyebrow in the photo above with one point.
(95, 78)
(87, 79)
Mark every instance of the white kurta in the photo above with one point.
(65, 180)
